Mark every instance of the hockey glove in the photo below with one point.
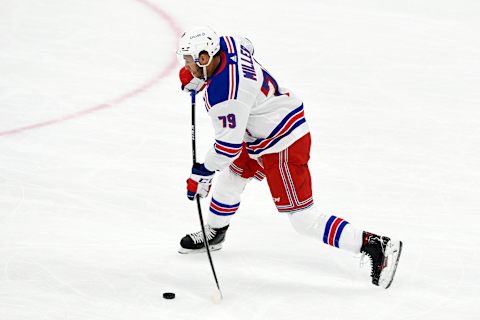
(199, 182)
(189, 82)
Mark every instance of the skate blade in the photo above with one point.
(214, 247)
(393, 254)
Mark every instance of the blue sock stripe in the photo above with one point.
(327, 228)
(339, 232)
(236, 205)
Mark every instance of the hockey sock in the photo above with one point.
(226, 198)
(351, 239)
(329, 229)
(221, 213)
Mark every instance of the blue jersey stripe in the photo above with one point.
(279, 126)
(285, 120)
(237, 78)
(226, 154)
(275, 141)
(228, 144)
(219, 84)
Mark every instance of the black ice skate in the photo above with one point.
(384, 255)
(193, 242)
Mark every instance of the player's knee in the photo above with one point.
(229, 184)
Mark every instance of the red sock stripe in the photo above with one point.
(333, 231)
(224, 210)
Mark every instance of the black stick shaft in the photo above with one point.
(199, 207)
(194, 144)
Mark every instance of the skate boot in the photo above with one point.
(384, 255)
(193, 242)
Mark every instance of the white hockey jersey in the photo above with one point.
(246, 104)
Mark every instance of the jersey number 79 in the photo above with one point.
(228, 120)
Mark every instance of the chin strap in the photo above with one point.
(204, 67)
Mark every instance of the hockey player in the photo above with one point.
(260, 132)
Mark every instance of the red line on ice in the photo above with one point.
(135, 92)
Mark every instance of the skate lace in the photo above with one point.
(365, 259)
(197, 237)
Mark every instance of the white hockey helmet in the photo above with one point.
(197, 40)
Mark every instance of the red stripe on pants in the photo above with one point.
(295, 159)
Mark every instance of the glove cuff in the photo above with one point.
(201, 170)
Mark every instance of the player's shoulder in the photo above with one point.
(229, 44)
(223, 85)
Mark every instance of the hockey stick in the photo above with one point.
(197, 198)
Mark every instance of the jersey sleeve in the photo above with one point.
(246, 43)
(229, 120)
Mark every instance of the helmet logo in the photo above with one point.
(197, 35)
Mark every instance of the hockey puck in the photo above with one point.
(168, 295)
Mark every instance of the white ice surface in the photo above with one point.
(92, 205)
